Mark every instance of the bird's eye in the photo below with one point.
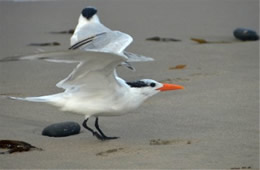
(152, 84)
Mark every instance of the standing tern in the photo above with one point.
(91, 35)
(93, 88)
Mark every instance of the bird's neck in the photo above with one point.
(141, 94)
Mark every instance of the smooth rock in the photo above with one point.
(61, 129)
(245, 34)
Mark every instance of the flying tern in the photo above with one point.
(93, 88)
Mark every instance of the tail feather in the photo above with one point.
(31, 99)
(44, 99)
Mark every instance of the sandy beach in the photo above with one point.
(212, 124)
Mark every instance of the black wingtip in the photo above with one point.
(89, 12)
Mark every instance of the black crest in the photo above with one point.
(89, 12)
(137, 84)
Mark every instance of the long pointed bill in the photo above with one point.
(167, 87)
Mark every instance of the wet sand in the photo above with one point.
(212, 124)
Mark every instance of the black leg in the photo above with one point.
(102, 134)
(84, 124)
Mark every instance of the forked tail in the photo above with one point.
(45, 99)
(30, 99)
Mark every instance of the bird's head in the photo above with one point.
(150, 87)
(89, 14)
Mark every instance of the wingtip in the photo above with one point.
(131, 57)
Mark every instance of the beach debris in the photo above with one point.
(62, 129)
(159, 142)
(200, 41)
(110, 151)
(45, 44)
(203, 41)
(156, 38)
(169, 142)
(70, 31)
(245, 34)
(177, 67)
(16, 146)
(244, 167)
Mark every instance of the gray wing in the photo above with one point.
(113, 41)
(66, 56)
(132, 57)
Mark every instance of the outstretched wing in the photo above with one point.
(95, 70)
(113, 41)
(132, 57)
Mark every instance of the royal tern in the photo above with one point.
(91, 35)
(93, 88)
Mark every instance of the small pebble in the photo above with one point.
(245, 34)
(61, 129)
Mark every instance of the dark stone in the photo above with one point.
(61, 129)
(245, 34)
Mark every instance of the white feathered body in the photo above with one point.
(100, 104)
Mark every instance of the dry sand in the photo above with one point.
(213, 123)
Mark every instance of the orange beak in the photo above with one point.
(167, 87)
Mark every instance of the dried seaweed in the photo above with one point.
(16, 146)
(70, 31)
(160, 39)
(45, 44)
(203, 41)
(244, 167)
(181, 66)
